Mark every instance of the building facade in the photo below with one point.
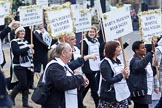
(136, 4)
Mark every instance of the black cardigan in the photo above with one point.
(40, 48)
(17, 51)
(4, 32)
(57, 83)
(109, 80)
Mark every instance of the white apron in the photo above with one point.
(93, 48)
(71, 98)
(1, 53)
(149, 79)
(76, 54)
(121, 88)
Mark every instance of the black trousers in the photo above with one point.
(23, 75)
(80, 97)
(137, 105)
(93, 85)
(37, 66)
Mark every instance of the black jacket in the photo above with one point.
(15, 47)
(4, 32)
(57, 83)
(137, 81)
(108, 80)
(40, 48)
(86, 66)
(5, 101)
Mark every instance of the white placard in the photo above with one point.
(31, 15)
(2, 14)
(7, 8)
(75, 8)
(42, 3)
(117, 23)
(82, 21)
(59, 21)
(151, 25)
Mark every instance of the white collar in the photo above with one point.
(60, 61)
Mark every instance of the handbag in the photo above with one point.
(39, 95)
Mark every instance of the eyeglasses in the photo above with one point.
(73, 39)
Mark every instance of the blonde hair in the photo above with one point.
(95, 28)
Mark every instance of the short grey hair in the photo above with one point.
(56, 52)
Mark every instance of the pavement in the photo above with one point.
(88, 100)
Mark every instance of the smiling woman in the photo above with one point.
(22, 65)
(140, 81)
(113, 87)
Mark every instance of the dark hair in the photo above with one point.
(110, 48)
(136, 45)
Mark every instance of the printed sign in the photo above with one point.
(82, 20)
(150, 24)
(42, 3)
(2, 13)
(7, 8)
(59, 21)
(31, 15)
(117, 23)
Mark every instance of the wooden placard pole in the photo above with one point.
(155, 59)
(82, 44)
(102, 30)
(31, 34)
(120, 4)
(121, 43)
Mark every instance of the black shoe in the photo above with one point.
(84, 106)
(14, 103)
(129, 101)
(13, 100)
(27, 106)
(32, 87)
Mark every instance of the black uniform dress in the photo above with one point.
(23, 74)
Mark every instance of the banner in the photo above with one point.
(150, 24)
(42, 3)
(59, 20)
(7, 7)
(117, 23)
(31, 15)
(2, 13)
(82, 20)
